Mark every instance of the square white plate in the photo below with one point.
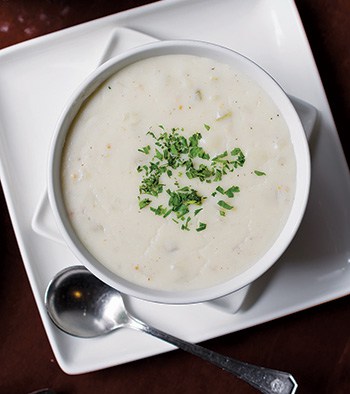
(37, 78)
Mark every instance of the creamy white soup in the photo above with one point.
(178, 173)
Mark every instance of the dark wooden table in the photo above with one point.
(314, 345)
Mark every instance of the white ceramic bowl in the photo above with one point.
(298, 139)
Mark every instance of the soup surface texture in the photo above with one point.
(178, 173)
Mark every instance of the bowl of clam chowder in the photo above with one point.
(179, 172)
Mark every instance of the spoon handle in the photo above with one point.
(267, 381)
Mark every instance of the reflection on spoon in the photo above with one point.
(83, 306)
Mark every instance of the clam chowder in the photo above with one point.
(178, 173)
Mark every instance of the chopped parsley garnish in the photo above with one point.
(220, 190)
(145, 149)
(151, 185)
(160, 210)
(185, 226)
(259, 173)
(143, 203)
(196, 212)
(171, 150)
(224, 205)
(230, 192)
(201, 227)
(181, 199)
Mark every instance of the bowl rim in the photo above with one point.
(299, 141)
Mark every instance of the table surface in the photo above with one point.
(314, 345)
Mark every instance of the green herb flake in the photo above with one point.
(185, 226)
(143, 203)
(167, 213)
(145, 150)
(159, 211)
(220, 190)
(230, 192)
(196, 212)
(219, 158)
(207, 127)
(218, 176)
(240, 157)
(201, 227)
(259, 173)
(158, 155)
(224, 205)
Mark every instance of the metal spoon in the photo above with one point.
(83, 306)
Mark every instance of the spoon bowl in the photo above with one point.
(82, 305)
